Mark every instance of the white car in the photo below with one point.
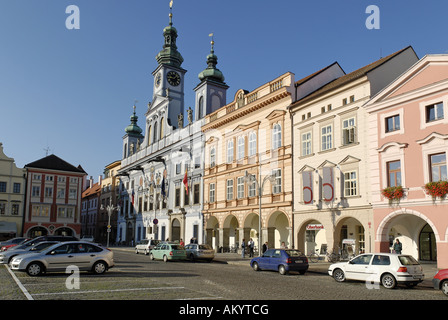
(146, 245)
(389, 269)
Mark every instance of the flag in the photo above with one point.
(185, 181)
(132, 197)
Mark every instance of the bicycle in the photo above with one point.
(333, 257)
(314, 256)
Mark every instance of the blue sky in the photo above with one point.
(73, 90)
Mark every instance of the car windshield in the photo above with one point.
(204, 247)
(293, 253)
(408, 260)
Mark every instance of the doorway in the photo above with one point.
(427, 244)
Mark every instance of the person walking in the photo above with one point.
(265, 247)
(397, 246)
(251, 247)
(243, 248)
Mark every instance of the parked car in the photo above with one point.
(85, 255)
(6, 256)
(440, 281)
(50, 238)
(389, 269)
(88, 239)
(146, 245)
(5, 245)
(168, 251)
(200, 252)
(281, 260)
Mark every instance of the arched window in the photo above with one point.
(149, 134)
(125, 150)
(200, 108)
(162, 127)
(252, 144)
(276, 136)
(155, 138)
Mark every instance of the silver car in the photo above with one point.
(6, 256)
(200, 252)
(86, 256)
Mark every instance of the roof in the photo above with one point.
(53, 162)
(357, 74)
(94, 190)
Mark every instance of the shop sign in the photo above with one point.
(314, 227)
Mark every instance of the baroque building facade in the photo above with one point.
(161, 171)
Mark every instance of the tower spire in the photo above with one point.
(211, 72)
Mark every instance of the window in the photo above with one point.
(438, 167)
(348, 131)
(48, 192)
(241, 146)
(2, 207)
(177, 198)
(178, 168)
(252, 144)
(186, 197)
(35, 192)
(200, 107)
(211, 197)
(230, 151)
(61, 193)
(15, 209)
(196, 193)
(306, 144)
(380, 260)
(2, 186)
(16, 188)
(240, 187)
(154, 139)
(72, 194)
(394, 173)
(434, 112)
(350, 184)
(252, 189)
(48, 178)
(276, 136)
(326, 134)
(212, 157)
(277, 173)
(393, 123)
(229, 190)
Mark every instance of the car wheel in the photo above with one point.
(99, 267)
(35, 269)
(339, 275)
(388, 281)
(165, 258)
(282, 270)
(136, 251)
(146, 252)
(192, 257)
(151, 257)
(256, 267)
(444, 287)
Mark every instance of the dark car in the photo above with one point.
(440, 281)
(50, 238)
(281, 260)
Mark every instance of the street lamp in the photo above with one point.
(110, 209)
(251, 178)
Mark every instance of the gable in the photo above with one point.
(431, 74)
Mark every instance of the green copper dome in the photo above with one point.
(133, 128)
(169, 54)
(211, 72)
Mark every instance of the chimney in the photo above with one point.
(91, 182)
(100, 179)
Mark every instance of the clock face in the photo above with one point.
(158, 79)
(173, 78)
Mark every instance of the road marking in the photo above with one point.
(25, 292)
(105, 291)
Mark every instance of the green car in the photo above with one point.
(168, 251)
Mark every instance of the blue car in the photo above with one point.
(281, 260)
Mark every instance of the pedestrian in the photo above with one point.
(283, 246)
(243, 248)
(251, 247)
(182, 243)
(265, 247)
(397, 246)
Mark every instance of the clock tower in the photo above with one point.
(169, 77)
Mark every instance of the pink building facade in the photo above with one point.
(408, 134)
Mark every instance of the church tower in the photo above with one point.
(133, 137)
(211, 91)
(169, 76)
